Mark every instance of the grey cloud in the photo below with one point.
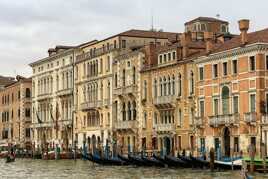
(29, 27)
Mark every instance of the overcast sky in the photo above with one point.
(29, 27)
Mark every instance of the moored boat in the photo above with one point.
(153, 162)
(137, 160)
(103, 161)
(235, 165)
(176, 162)
(200, 163)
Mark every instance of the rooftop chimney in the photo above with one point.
(208, 36)
(150, 54)
(186, 38)
(243, 27)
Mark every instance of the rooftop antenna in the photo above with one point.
(152, 20)
(218, 16)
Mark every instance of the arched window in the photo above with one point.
(155, 88)
(165, 86)
(124, 111)
(191, 83)
(115, 80)
(97, 69)
(129, 111)
(179, 85)
(173, 85)
(145, 89)
(155, 118)
(101, 92)
(124, 77)
(225, 100)
(169, 86)
(134, 110)
(161, 87)
(28, 93)
(57, 81)
(108, 90)
(96, 97)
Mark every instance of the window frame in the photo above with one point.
(234, 73)
(249, 63)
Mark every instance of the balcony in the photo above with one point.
(264, 119)
(199, 121)
(250, 118)
(124, 125)
(165, 127)
(164, 101)
(126, 90)
(226, 119)
(89, 105)
(95, 53)
(65, 92)
(44, 96)
(42, 125)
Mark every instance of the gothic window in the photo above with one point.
(129, 111)
(179, 85)
(124, 111)
(191, 83)
(155, 88)
(225, 100)
(173, 85)
(134, 110)
(169, 86)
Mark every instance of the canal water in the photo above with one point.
(69, 169)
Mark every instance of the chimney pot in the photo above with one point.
(243, 24)
(243, 27)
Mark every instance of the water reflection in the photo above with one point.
(69, 169)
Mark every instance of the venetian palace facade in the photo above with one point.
(52, 98)
(156, 91)
(15, 109)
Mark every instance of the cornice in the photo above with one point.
(233, 52)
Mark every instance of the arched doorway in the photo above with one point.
(226, 139)
(167, 145)
(225, 100)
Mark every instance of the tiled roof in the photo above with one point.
(149, 34)
(208, 19)
(253, 37)
(6, 80)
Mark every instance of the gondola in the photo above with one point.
(103, 161)
(10, 159)
(176, 162)
(189, 161)
(200, 163)
(136, 160)
(153, 162)
(125, 159)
